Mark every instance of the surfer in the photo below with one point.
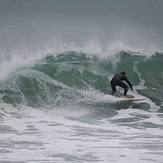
(117, 80)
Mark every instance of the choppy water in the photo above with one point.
(59, 110)
(56, 60)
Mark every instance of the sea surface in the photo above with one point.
(56, 62)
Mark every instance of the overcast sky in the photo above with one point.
(128, 20)
(144, 12)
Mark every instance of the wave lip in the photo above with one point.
(63, 77)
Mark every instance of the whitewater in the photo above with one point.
(56, 63)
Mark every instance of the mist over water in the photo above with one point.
(41, 26)
(56, 60)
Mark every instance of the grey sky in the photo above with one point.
(132, 21)
(144, 12)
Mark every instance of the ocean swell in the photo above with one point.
(56, 79)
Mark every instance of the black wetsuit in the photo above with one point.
(117, 81)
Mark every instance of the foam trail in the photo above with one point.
(141, 85)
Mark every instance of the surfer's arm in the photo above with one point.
(129, 83)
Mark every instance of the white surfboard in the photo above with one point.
(131, 99)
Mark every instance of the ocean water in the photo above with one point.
(56, 64)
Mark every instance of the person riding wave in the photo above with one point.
(117, 80)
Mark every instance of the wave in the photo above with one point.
(55, 80)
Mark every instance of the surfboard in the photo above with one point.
(130, 98)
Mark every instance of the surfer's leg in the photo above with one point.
(124, 86)
(125, 91)
(113, 86)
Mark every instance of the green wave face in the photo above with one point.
(57, 79)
